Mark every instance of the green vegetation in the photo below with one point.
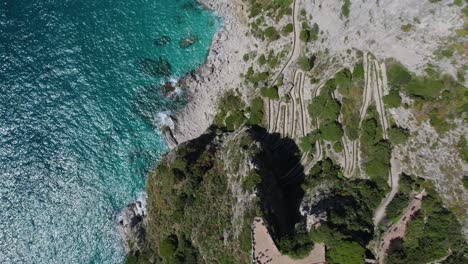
(393, 99)
(437, 98)
(347, 252)
(289, 28)
(307, 143)
(458, 2)
(345, 8)
(396, 206)
(297, 246)
(168, 246)
(397, 75)
(251, 181)
(462, 146)
(256, 78)
(465, 182)
(398, 135)
(271, 34)
(406, 28)
(350, 86)
(275, 9)
(375, 150)
(338, 147)
(325, 108)
(231, 112)
(349, 206)
(189, 200)
(344, 79)
(256, 112)
(432, 232)
(271, 93)
(309, 34)
(331, 131)
(306, 63)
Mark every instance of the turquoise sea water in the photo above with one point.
(77, 117)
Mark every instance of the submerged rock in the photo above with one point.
(168, 89)
(159, 67)
(188, 41)
(164, 40)
(190, 6)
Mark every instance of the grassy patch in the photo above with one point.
(345, 8)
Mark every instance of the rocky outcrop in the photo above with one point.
(220, 72)
(130, 225)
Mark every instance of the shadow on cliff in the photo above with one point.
(282, 174)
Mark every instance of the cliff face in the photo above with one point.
(204, 195)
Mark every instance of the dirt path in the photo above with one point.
(378, 94)
(367, 90)
(395, 171)
(296, 50)
(292, 57)
(303, 107)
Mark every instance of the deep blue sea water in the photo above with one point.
(78, 116)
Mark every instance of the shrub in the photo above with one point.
(168, 246)
(262, 59)
(297, 246)
(307, 143)
(314, 32)
(245, 57)
(331, 131)
(271, 34)
(398, 75)
(346, 252)
(325, 108)
(463, 148)
(424, 88)
(256, 111)
(338, 147)
(398, 135)
(304, 35)
(393, 99)
(406, 28)
(358, 71)
(343, 79)
(305, 63)
(345, 8)
(251, 181)
(397, 205)
(288, 28)
(271, 92)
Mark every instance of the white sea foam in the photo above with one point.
(164, 119)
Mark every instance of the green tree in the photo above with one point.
(168, 246)
(271, 34)
(271, 92)
(393, 99)
(398, 135)
(331, 131)
(288, 28)
(346, 252)
(398, 75)
(304, 35)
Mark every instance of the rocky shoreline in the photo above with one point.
(204, 86)
(220, 72)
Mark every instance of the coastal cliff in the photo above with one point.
(322, 130)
